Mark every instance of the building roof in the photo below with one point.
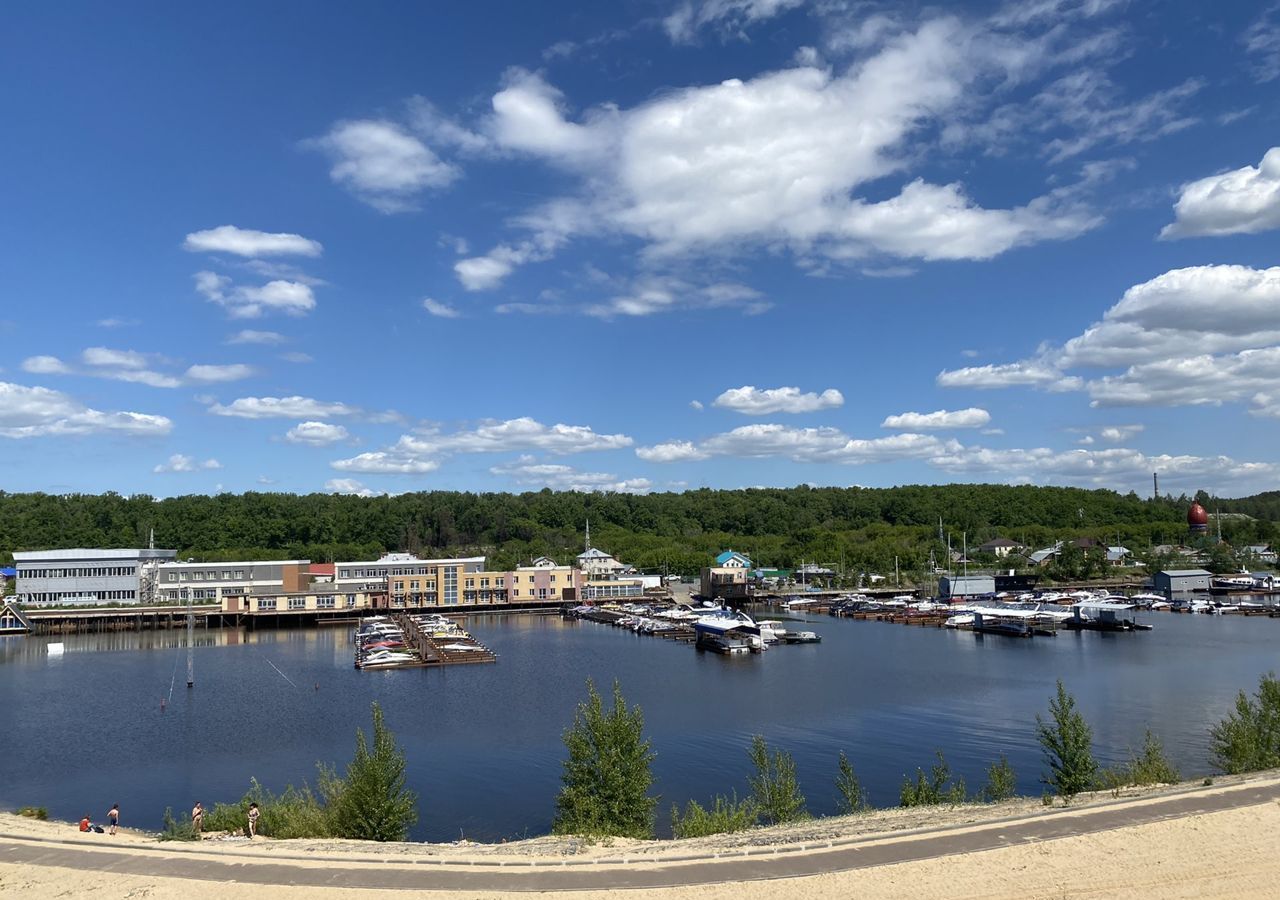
(1000, 542)
(1042, 555)
(230, 564)
(8, 573)
(593, 553)
(732, 554)
(409, 558)
(1184, 573)
(965, 579)
(85, 553)
(321, 568)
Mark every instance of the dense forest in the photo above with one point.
(854, 529)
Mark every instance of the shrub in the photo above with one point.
(34, 812)
(372, 803)
(1249, 738)
(293, 814)
(726, 816)
(852, 799)
(774, 786)
(177, 831)
(932, 789)
(1151, 766)
(1068, 747)
(1002, 783)
(606, 778)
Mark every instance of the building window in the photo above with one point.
(182, 576)
(297, 602)
(226, 575)
(173, 577)
(553, 579)
(351, 600)
(324, 603)
(265, 603)
(451, 586)
(239, 574)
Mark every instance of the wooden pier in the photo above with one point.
(446, 650)
(676, 632)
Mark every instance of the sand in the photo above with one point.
(1231, 853)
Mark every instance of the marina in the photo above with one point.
(484, 741)
(409, 640)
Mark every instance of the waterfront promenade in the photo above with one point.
(1190, 841)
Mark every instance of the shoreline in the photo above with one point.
(1235, 809)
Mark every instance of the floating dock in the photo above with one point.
(408, 641)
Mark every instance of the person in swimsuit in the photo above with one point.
(113, 818)
(197, 818)
(253, 820)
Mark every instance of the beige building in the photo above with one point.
(213, 581)
(309, 601)
(728, 579)
(545, 582)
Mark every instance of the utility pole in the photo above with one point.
(191, 639)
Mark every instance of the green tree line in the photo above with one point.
(862, 529)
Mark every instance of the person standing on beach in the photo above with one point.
(253, 820)
(113, 818)
(197, 818)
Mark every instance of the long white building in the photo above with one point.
(83, 576)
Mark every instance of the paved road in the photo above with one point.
(441, 874)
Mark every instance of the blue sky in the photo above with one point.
(639, 246)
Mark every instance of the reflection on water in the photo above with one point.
(484, 742)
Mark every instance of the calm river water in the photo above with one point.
(85, 730)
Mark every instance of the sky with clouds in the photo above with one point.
(640, 246)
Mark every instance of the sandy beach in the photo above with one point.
(1229, 852)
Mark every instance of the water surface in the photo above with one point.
(87, 729)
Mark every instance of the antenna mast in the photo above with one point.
(191, 639)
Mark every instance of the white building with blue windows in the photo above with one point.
(85, 577)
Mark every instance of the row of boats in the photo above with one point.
(713, 627)
(382, 644)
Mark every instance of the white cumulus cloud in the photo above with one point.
(811, 445)
(529, 472)
(423, 451)
(1243, 201)
(973, 417)
(383, 165)
(179, 462)
(438, 309)
(250, 243)
(316, 434)
(1028, 373)
(753, 401)
(778, 160)
(249, 336)
(210, 374)
(349, 486)
(293, 298)
(45, 365)
(27, 412)
(282, 408)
